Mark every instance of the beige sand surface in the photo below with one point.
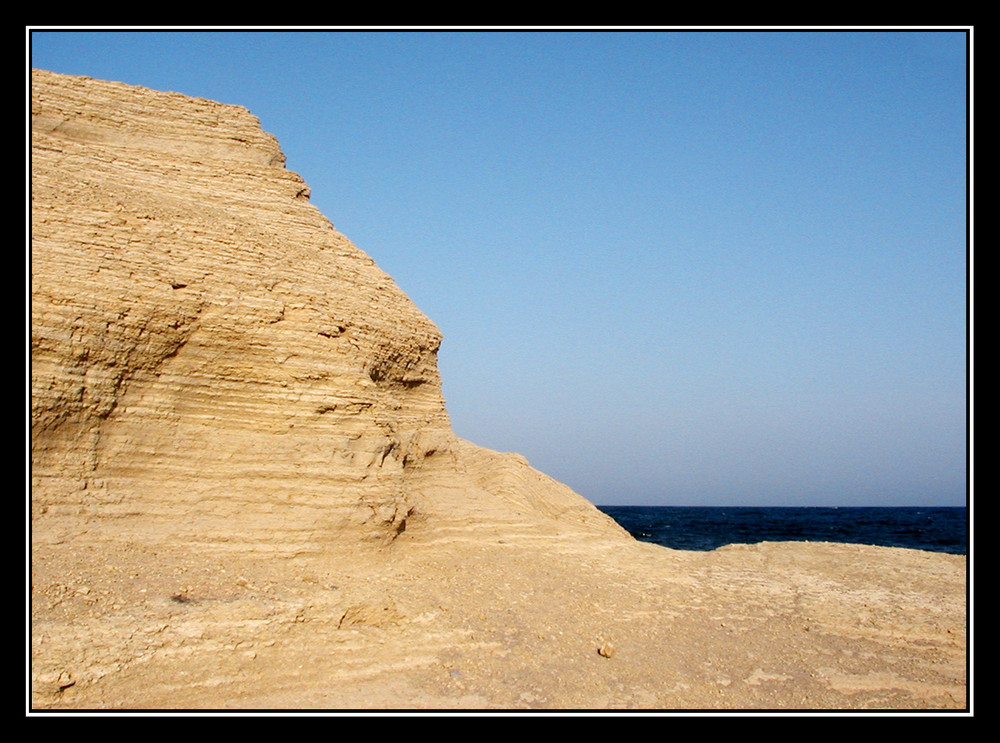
(481, 623)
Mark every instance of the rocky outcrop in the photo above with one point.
(208, 351)
(246, 493)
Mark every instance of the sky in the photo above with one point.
(671, 267)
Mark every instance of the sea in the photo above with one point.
(936, 529)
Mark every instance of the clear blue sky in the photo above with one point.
(691, 268)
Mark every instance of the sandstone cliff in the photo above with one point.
(205, 343)
(245, 491)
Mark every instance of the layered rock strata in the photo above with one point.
(204, 343)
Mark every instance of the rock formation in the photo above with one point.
(245, 490)
(205, 342)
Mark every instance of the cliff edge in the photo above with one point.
(206, 345)
(246, 493)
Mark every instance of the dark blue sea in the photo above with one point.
(698, 528)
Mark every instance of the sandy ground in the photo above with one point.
(499, 623)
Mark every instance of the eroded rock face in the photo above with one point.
(206, 348)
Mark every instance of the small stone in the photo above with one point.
(606, 650)
(57, 680)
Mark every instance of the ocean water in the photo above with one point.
(697, 528)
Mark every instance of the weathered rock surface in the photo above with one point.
(245, 490)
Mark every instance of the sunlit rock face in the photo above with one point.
(211, 360)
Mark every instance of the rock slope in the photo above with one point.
(246, 493)
(205, 342)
